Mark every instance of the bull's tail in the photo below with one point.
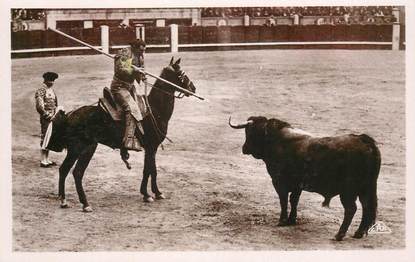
(373, 169)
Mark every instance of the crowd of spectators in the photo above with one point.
(340, 14)
(27, 14)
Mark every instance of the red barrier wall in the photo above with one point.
(199, 35)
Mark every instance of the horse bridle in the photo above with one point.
(184, 79)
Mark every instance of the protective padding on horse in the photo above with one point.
(138, 108)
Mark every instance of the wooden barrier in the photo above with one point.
(41, 43)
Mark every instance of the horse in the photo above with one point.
(81, 130)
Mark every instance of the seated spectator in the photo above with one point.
(270, 21)
(320, 21)
(346, 18)
(370, 20)
(296, 19)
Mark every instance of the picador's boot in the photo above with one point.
(130, 141)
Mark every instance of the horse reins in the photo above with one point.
(179, 96)
(152, 117)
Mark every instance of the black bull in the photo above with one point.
(345, 165)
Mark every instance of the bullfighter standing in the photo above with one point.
(46, 106)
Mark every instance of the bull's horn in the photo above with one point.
(240, 125)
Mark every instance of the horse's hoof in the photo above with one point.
(87, 209)
(282, 223)
(291, 222)
(160, 197)
(64, 205)
(339, 237)
(358, 234)
(148, 199)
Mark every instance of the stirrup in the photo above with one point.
(131, 143)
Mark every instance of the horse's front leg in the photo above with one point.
(149, 167)
(154, 187)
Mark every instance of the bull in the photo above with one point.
(346, 165)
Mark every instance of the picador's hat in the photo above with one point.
(50, 76)
(137, 43)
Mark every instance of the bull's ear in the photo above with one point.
(273, 127)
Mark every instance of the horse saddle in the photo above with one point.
(138, 108)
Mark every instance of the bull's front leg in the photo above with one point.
(294, 198)
(282, 192)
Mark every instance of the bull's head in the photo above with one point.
(260, 135)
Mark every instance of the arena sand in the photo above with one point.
(217, 198)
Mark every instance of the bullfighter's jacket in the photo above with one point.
(123, 70)
(46, 101)
(122, 85)
(46, 104)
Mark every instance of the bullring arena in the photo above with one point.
(216, 197)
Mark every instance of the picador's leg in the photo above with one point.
(138, 145)
(130, 141)
(121, 97)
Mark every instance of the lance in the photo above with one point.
(135, 67)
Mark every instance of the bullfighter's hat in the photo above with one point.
(50, 76)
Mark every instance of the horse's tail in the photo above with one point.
(57, 140)
(374, 163)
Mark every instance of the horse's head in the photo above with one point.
(173, 73)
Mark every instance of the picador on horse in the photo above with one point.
(125, 94)
(121, 119)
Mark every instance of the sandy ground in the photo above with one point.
(217, 198)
